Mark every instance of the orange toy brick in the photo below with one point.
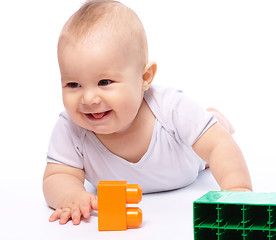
(113, 215)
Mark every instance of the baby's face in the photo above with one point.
(102, 86)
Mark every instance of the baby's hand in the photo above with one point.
(80, 205)
(239, 190)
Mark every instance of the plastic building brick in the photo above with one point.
(113, 215)
(227, 215)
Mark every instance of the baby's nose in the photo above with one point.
(90, 97)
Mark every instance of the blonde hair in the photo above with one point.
(107, 15)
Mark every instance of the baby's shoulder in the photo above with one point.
(160, 92)
(178, 113)
(165, 101)
(67, 126)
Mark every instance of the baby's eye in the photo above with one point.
(73, 85)
(105, 82)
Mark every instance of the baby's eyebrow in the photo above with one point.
(67, 79)
(109, 74)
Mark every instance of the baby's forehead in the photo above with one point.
(106, 20)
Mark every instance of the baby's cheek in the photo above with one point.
(69, 101)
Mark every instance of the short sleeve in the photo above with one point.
(185, 119)
(190, 119)
(65, 143)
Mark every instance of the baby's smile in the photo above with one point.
(98, 115)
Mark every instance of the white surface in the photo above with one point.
(167, 215)
(223, 53)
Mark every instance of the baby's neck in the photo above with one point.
(132, 143)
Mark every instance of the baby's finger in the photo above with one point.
(85, 210)
(65, 215)
(55, 215)
(76, 215)
(94, 202)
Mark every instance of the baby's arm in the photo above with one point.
(217, 147)
(64, 191)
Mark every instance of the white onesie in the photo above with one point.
(170, 161)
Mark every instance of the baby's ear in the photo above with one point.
(149, 73)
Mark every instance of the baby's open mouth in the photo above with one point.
(99, 115)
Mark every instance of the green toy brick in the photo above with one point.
(223, 215)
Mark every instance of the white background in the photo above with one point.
(222, 53)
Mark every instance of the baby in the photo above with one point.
(117, 126)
